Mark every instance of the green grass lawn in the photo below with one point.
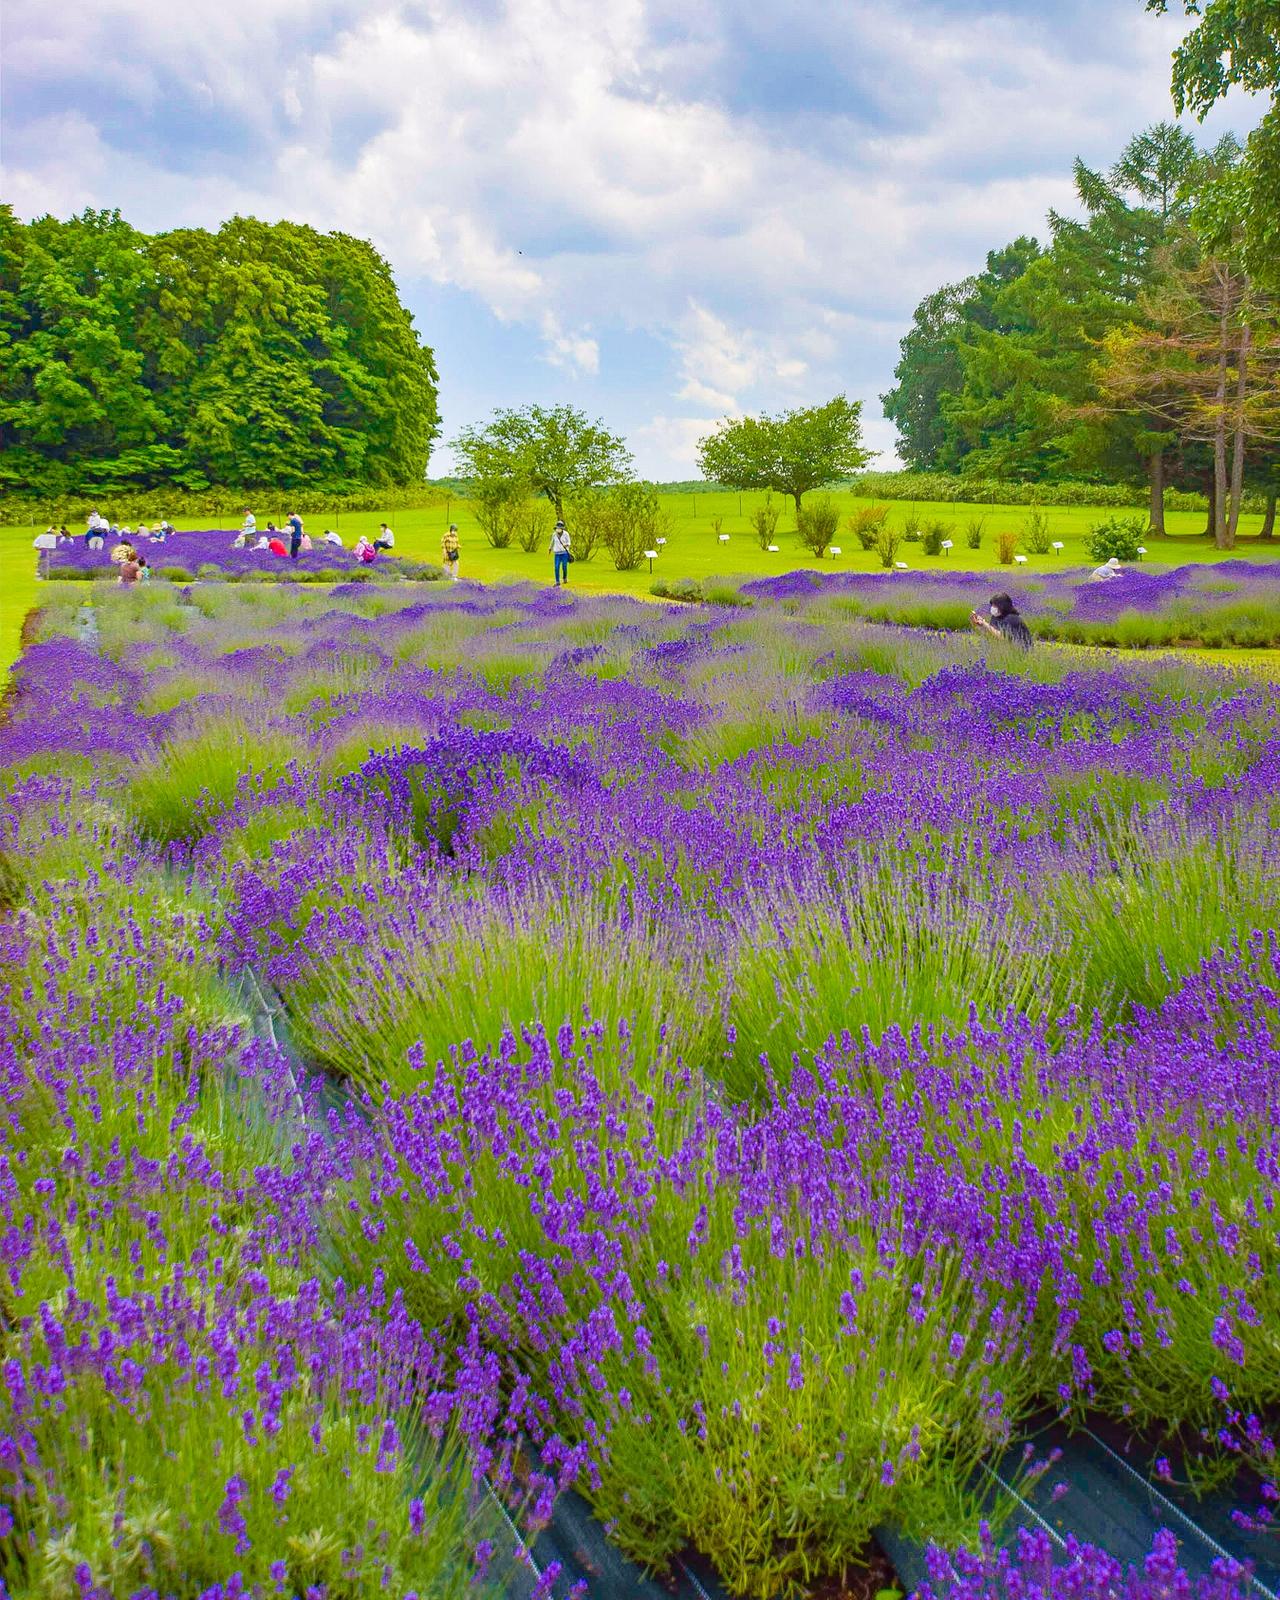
(694, 549)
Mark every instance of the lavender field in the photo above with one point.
(210, 553)
(1233, 604)
(752, 1064)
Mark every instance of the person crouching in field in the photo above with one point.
(1004, 622)
(451, 549)
(386, 540)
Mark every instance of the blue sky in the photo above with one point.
(664, 211)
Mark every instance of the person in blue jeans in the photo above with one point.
(561, 552)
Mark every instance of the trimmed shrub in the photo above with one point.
(1035, 533)
(1118, 537)
(887, 543)
(499, 510)
(1006, 545)
(865, 524)
(537, 518)
(764, 520)
(633, 519)
(816, 524)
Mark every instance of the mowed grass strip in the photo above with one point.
(694, 548)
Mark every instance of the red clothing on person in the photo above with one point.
(276, 547)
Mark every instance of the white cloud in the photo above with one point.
(575, 352)
(673, 442)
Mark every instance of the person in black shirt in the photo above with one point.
(1004, 622)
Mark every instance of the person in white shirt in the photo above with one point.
(561, 553)
(330, 537)
(386, 540)
(1108, 569)
(249, 527)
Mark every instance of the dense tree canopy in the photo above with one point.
(260, 355)
(793, 452)
(999, 376)
(930, 366)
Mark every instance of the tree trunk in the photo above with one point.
(796, 497)
(1220, 436)
(1268, 529)
(1237, 443)
(1155, 467)
(1211, 498)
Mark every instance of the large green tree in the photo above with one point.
(1027, 379)
(1236, 44)
(554, 451)
(791, 453)
(930, 368)
(1205, 357)
(1016, 352)
(260, 355)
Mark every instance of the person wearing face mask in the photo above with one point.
(1003, 622)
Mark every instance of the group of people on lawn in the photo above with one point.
(272, 539)
(133, 567)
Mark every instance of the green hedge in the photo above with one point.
(950, 487)
(145, 505)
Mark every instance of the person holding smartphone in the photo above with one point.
(1003, 622)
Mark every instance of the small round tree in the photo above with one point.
(792, 453)
(547, 450)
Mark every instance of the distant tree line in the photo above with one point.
(262, 355)
(1141, 342)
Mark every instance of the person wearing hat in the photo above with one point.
(561, 554)
(450, 548)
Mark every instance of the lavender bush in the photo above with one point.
(748, 1062)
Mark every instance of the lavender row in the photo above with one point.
(778, 1059)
